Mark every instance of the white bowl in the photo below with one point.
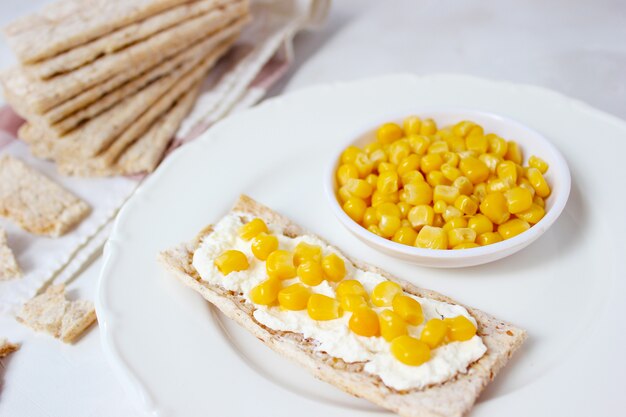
(531, 143)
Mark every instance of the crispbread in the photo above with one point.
(29, 96)
(35, 202)
(6, 347)
(452, 398)
(114, 41)
(64, 24)
(9, 268)
(193, 54)
(52, 313)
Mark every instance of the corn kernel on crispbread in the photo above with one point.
(452, 398)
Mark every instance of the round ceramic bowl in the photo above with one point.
(531, 143)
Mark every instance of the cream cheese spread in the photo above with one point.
(334, 336)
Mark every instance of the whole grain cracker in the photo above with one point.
(52, 313)
(114, 41)
(36, 203)
(453, 398)
(64, 24)
(28, 96)
(9, 267)
(7, 347)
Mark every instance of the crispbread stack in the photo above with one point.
(105, 85)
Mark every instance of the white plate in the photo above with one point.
(177, 357)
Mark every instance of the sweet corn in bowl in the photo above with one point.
(448, 188)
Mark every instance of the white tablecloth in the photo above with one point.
(573, 46)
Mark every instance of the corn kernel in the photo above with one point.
(363, 164)
(440, 206)
(411, 125)
(507, 171)
(405, 223)
(322, 308)
(252, 228)
(463, 128)
(538, 182)
(345, 172)
(455, 223)
(262, 245)
(539, 201)
(412, 177)
(372, 179)
(497, 145)
(417, 193)
(388, 133)
(434, 332)
(350, 286)
(306, 252)
(389, 225)
(518, 199)
(405, 235)
(352, 302)
(474, 169)
(230, 261)
(461, 235)
(540, 164)
(480, 192)
(419, 143)
(310, 273)
(451, 159)
(343, 194)
(359, 188)
(409, 309)
(383, 293)
(438, 221)
(524, 183)
(334, 267)
(348, 156)
(450, 172)
(514, 153)
(398, 151)
(422, 215)
(457, 144)
(375, 229)
(451, 212)
(464, 185)
(364, 322)
(378, 157)
(488, 238)
(498, 185)
(476, 142)
(408, 164)
(294, 297)
(466, 245)
(428, 127)
(533, 214)
(387, 182)
(435, 178)
(386, 166)
(387, 208)
(431, 162)
(438, 147)
(491, 160)
(513, 228)
(445, 193)
(379, 198)
(391, 325)
(279, 264)
(266, 292)
(460, 329)
(480, 224)
(355, 208)
(404, 209)
(466, 204)
(371, 147)
(494, 206)
(409, 350)
(431, 237)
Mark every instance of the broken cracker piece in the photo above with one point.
(9, 268)
(6, 347)
(35, 202)
(52, 313)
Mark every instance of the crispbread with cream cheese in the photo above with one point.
(36, 96)
(452, 398)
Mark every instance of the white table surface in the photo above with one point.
(576, 47)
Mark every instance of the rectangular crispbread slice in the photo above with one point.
(122, 37)
(36, 203)
(6, 347)
(9, 268)
(56, 121)
(27, 95)
(450, 399)
(52, 313)
(64, 24)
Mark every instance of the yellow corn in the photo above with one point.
(364, 322)
(405, 235)
(384, 293)
(252, 228)
(480, 192)
(348, 156)
(464, 185)
(262, 245)
(359, 188)
(321, 307)
(387, 182)
(455, 223)
(334, 268)
(476, 142)
(345, 172)
(391, 325)
(355, 208)
(409, 309)
(408, 164)
(457, 144)
(294, 297)
(419, 143)
(398, 151)
(460, 329)
(388, 133)
(412, 177)
(540, 164)
(379, 198)
(422, 215)
(411, 125)
(386, 166)
(266, 292)
(518, 199)
(431, 162)
(279, 265)
(466, 245)
(435, 178)
(451, 212)
(431, 237)
(488, 238)
(445, 193)
(474, 169)
(363, 164)
(491, 160)
(498, 185)
(378, 157)
(439, 206)
(494, 206)
(371, 147)
(438, 147)
(372, 179)
(350, 286)
(428, 127)
(310, 273)
(306, 252)
(387, 208)
(507, 171)
(404, 209)
(231, 261)
(514, 153)
(463, 128)
(409, 350)
(434, 332)
(524, 183)
(389, 225)
(513, 228)
(480, 224)
(533, 214)
(460, 235)
(451, 158)
(538, 182)
(539, 201)
(497, 145)
(417, 193)
(352, 302)
(466, 204)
